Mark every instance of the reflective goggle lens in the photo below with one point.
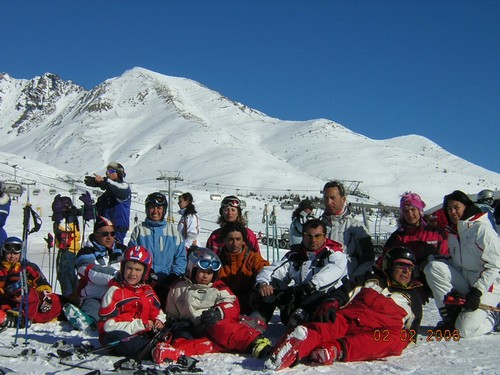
(232, 203)
(12, 247)
(206, 264)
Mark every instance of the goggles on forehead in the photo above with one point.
(157, 199)
(12, 248)
(207, 264)
(231, 203)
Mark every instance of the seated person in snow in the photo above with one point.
(131, 307)
(97, 263)
(350, 319)
(299, 281)
(212, 311)
(43, 305)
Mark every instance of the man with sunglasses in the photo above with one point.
(97, 263)
(115, 202)
(43, 305)
(299, 281)
(378, 318)
(163, 241)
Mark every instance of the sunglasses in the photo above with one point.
(111, 171)
(106, 234)
(232, 203)
(404, 267)
(12, 248)
(207, 264)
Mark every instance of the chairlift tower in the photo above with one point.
(28, 183)
(168, 177)
(352, 188)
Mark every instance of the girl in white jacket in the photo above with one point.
(472, 274)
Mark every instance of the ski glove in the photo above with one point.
(327, 311)
(210, 317)
(46, 304)
(472, 299)
(57, 209)
(88, 208)
(90, 181)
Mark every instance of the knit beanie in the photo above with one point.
(411, 199)
(100, 222)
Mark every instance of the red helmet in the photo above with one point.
(139, 254)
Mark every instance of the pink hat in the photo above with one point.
(411, 199)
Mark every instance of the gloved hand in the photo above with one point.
(472, 299)
(210, 317)
(46, 304)
(49, 240)
(88, 208)
(152, 278)
(90, 181)
(305, 289)
(327, 311)
(57, 209)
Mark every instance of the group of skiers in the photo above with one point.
(163, 296)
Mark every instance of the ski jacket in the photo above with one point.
(189, 228)
(67, 236)
(10, 272)
(4, 213)
(187, 300)
(215, 242)
(114, 204)
(356, 241)
(96, 266)
(475, 250)
(380, 319)
(169, 251)
(239, 270)
(128, 308)
(233, 332)
(324, 269)
(423, 241)
(296, 227)
(491, 214)
(34, 301)
(381, 302)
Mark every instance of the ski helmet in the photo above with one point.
(139, 254)
(486, 196)
(203, 258)
(157, 199)
(230, 201)
(12, 244)
(394, 254)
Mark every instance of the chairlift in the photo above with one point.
(164, 192)
(13, 188)
(73, 191)
(243, 204)
(215, 197)
(52, 191)
(133, 194)
(176, 193)
(36, 191)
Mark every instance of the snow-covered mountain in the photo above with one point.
(151, 122)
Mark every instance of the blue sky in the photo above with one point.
(381, 68)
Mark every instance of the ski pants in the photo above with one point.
(442, 277)
(66, 272)
(358, 343)
(132, 348)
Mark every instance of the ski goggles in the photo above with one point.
(231, 203)
(159, 200)
(12, 247)
(207, 264)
